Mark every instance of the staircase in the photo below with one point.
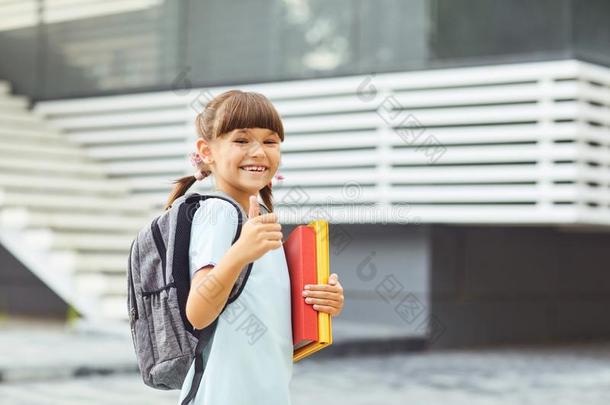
(62, 216)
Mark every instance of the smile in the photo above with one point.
(255, 170)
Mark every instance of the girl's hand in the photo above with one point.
(326, 297)
(260, 234)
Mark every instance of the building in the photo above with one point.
(461, 150)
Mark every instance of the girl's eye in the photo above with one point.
(246, 141)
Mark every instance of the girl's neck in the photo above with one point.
(242, 199)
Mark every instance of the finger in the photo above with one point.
(254, 209)
(325, 295)
(318, 301)
(322, 287)
(324, 308)
(333, 279)
(273, 244)
(275, 227)
(267, 218)
(272, 235)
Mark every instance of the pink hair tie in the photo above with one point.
(195, 159)
(195, 162)
(278, 177)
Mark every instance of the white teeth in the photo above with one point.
(254, 168)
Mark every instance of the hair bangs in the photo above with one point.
(249, 110)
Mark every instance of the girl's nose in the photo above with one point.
(256, 149)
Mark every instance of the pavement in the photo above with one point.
(50, 363)
(37, 350)
(51, 350)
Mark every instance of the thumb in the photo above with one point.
(254, 209)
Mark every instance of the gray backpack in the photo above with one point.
(158, 286)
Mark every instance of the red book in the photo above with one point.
(300, 250)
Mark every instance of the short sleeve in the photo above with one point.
(212, 232)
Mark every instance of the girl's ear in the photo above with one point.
(203, 147)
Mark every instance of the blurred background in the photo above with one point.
(460, 150)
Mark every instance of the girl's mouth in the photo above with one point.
(254, 172)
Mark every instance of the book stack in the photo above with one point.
(308, 259)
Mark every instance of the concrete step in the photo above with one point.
(157, 183)
(53, 151)
(94, 262)
(104, 285)
(114, 306)
(71, 203)
(13, 103)
(61, 205)
(22, 218)
(46, 239)
(58, 185)
(56, 159)
(22, 118)
(19, 134)
(51, 351)
(41, 165)
(156, 199)
(5, 87)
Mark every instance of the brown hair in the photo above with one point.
(233, 109)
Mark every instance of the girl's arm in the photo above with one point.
(211, 286)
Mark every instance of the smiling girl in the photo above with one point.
(250, 359)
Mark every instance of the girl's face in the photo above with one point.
(228, 154)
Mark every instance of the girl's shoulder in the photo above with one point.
(216, 204)
(222, 211)
(219, 204)
(215, 211)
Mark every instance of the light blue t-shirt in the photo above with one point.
(250, 360)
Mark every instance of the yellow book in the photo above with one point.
(325, 335)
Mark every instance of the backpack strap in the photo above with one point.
(180, 270)
(180, 267)
(202, 353)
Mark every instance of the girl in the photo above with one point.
(250, 360)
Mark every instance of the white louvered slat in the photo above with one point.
(145, 150)
(131, 136)
(509, 132)
(121, 119)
